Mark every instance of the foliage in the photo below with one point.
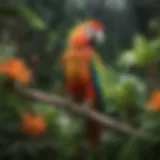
(38, 42)
(24, 13)
(144, 52)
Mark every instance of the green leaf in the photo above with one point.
(140, 47)
(126, 59)
(25, 13)
(151, 125)
(140, 44)
(128, 90)
(130, 150)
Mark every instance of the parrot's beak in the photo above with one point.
(95, 37)
(100, 36)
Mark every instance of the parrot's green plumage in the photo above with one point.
(103, 78)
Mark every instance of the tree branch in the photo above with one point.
(61, 102)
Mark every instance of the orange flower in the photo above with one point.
(16, 70)
(33, 125)
(153, 103)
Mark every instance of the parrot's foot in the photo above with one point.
(86, 106)
(69, 100)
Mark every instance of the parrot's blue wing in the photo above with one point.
(103, 77)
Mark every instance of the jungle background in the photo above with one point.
(36, 31)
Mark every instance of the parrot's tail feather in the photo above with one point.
(94, 131)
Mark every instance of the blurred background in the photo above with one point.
(36, 32)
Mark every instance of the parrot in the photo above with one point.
(85, 73)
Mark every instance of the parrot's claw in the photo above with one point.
(86, 107)
(69, 101)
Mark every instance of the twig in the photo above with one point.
(61, 102)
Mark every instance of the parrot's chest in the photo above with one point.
(76, 65)
(77, 69)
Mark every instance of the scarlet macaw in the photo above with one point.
(84, 72)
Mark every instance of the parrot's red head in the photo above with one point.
(88, 33)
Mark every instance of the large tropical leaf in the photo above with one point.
(24, 13)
